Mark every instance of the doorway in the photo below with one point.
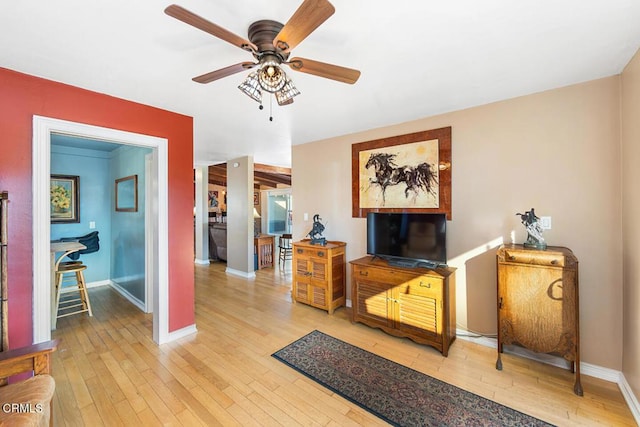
(279, 211)
(156, 224)
(119, 258)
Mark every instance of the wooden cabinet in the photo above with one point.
(417, 303)
(319, 274)
(538, 303)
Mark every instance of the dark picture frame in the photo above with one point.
(408, 173)
(64, 199)
(126, 193)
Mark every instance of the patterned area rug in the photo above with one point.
(397, 394)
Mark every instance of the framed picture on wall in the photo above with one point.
(406, 173)
(65, 198)
(256, 198)
(213, 199)
(127, 194)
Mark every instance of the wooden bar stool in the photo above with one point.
(285, 250)
(72, 299)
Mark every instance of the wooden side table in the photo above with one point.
(264, 248)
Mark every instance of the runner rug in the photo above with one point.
(399, 395)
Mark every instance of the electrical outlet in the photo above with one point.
(545, 222)
(92, 225)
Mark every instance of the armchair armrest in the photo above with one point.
(35, 358)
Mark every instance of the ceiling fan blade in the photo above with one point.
(322, 69)
(224, 72)
(199, 22)
(307, 18)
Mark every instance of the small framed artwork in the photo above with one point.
(213, 199)
(406, 173)
(65, 198)
(256, 198)
(127, 194)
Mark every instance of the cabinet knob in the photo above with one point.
(512, 257)
(320, 253)
(299, 251)
(554, 261)
(425, 285)
(364, 273)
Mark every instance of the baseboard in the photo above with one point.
(630, 398)
(181, 333)
(201, 261)
(98, 283)
(246, 275)
(122, 291)
(589, 369)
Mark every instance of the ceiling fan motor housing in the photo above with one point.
(262, 33)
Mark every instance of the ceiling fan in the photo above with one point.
(271, 43)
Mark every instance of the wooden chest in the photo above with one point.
(538, 302)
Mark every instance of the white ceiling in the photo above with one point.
(418, 58)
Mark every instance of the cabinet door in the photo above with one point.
(311, 281)
(418, 308)
(301, 279)
(372, 303)
(536, 305)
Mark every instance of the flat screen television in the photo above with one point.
(408, 239)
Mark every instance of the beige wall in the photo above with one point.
(556, 151)
(631, 227)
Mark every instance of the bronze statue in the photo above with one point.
(534, 230)
(316, 232)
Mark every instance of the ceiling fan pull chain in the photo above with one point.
(270, 107)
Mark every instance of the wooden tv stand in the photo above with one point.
(416, 303)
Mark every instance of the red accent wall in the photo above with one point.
(23, 96)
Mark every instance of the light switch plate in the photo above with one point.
(545, 222)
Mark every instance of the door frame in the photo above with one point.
(157, 228)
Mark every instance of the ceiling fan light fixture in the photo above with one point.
(286, 94)
(251, 87)
(271, 77)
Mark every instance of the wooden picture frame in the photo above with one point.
(126, 193)
(256, 198)
(407, 173)
(64, 201)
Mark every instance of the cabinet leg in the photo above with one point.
(499, 361)
(577, 387)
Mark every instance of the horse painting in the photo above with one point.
(422, 177)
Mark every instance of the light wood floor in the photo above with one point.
(109, 372)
